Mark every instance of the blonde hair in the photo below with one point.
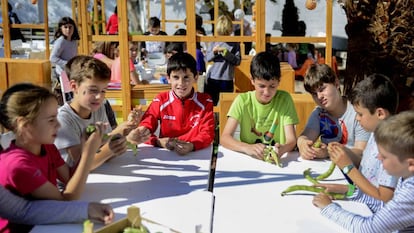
(22, 100)
(396, 134)
(224, 26)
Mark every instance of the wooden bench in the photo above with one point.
(242, 81)
(14, 71)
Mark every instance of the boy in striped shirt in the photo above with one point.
(395, 140)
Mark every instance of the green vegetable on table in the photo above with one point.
(314, 189)
(92, 128)
(314, 180)
(271, 156)
(140, 229)
(87, 226)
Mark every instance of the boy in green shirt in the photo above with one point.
(266, 116)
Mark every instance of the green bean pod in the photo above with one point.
(327, 173)
(313, 189)
(308, 176)
(271, 156)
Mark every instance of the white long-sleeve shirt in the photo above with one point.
(395, 216)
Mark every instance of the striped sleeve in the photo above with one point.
(395, 216)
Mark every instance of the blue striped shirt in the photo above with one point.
(397, 215)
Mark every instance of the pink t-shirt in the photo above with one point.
(116, 70)
(22, 172)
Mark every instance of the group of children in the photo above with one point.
(51, 144)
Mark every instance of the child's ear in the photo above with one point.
(73, 85)
(196, 76)
(410, 162)
(251, 80)
(381, 113)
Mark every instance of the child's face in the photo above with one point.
(392, 164)
(182, 82)
(265, 90)
(154, 30)
(327, 96)
(89, 94)
(67, 30)
(43, 129)
(367, 120)
(133, 51)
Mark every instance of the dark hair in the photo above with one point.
(317, 75)
(83, 67)
(174, 47)
(375, 91)
(116, 10)
(64, 21)
(22, 100)
(154, 22)
(180, 32)
(265, 65)
(182, 61)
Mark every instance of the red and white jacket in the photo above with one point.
(190, 119)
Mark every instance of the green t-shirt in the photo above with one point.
(258, 120)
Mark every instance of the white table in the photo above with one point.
(169, 189)
(247, 196)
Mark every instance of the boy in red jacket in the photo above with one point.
(185, 116)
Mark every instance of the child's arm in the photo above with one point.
(227, 140)
(339, 156)
(76, 183)
(290, 140)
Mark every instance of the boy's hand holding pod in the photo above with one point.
(92, 128)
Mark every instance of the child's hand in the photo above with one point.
(139, 135)
(95, 138)
(117, 144)
(333, 188)
(321, 200)
(100, 212)
(183, 147)
(338, 154)
(307, 151)
(134, 117)
(255, 150)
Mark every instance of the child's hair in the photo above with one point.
(375, 91)
(116, 10)
(396, 134)
(64, 21)
(22, 100)
(317, 75)
(154, 22)
(174, 47)
(83, 67)
(182, 61)
(224, 26)
(104, 47)
(265, 65)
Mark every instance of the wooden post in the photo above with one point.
(260, 26)
(328, 47)
(124, 54)
(6, 29)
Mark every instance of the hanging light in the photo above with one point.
(310, 4)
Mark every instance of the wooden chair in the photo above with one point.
(304, 105)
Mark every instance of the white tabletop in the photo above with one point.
(247, 195)
(169, 189)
